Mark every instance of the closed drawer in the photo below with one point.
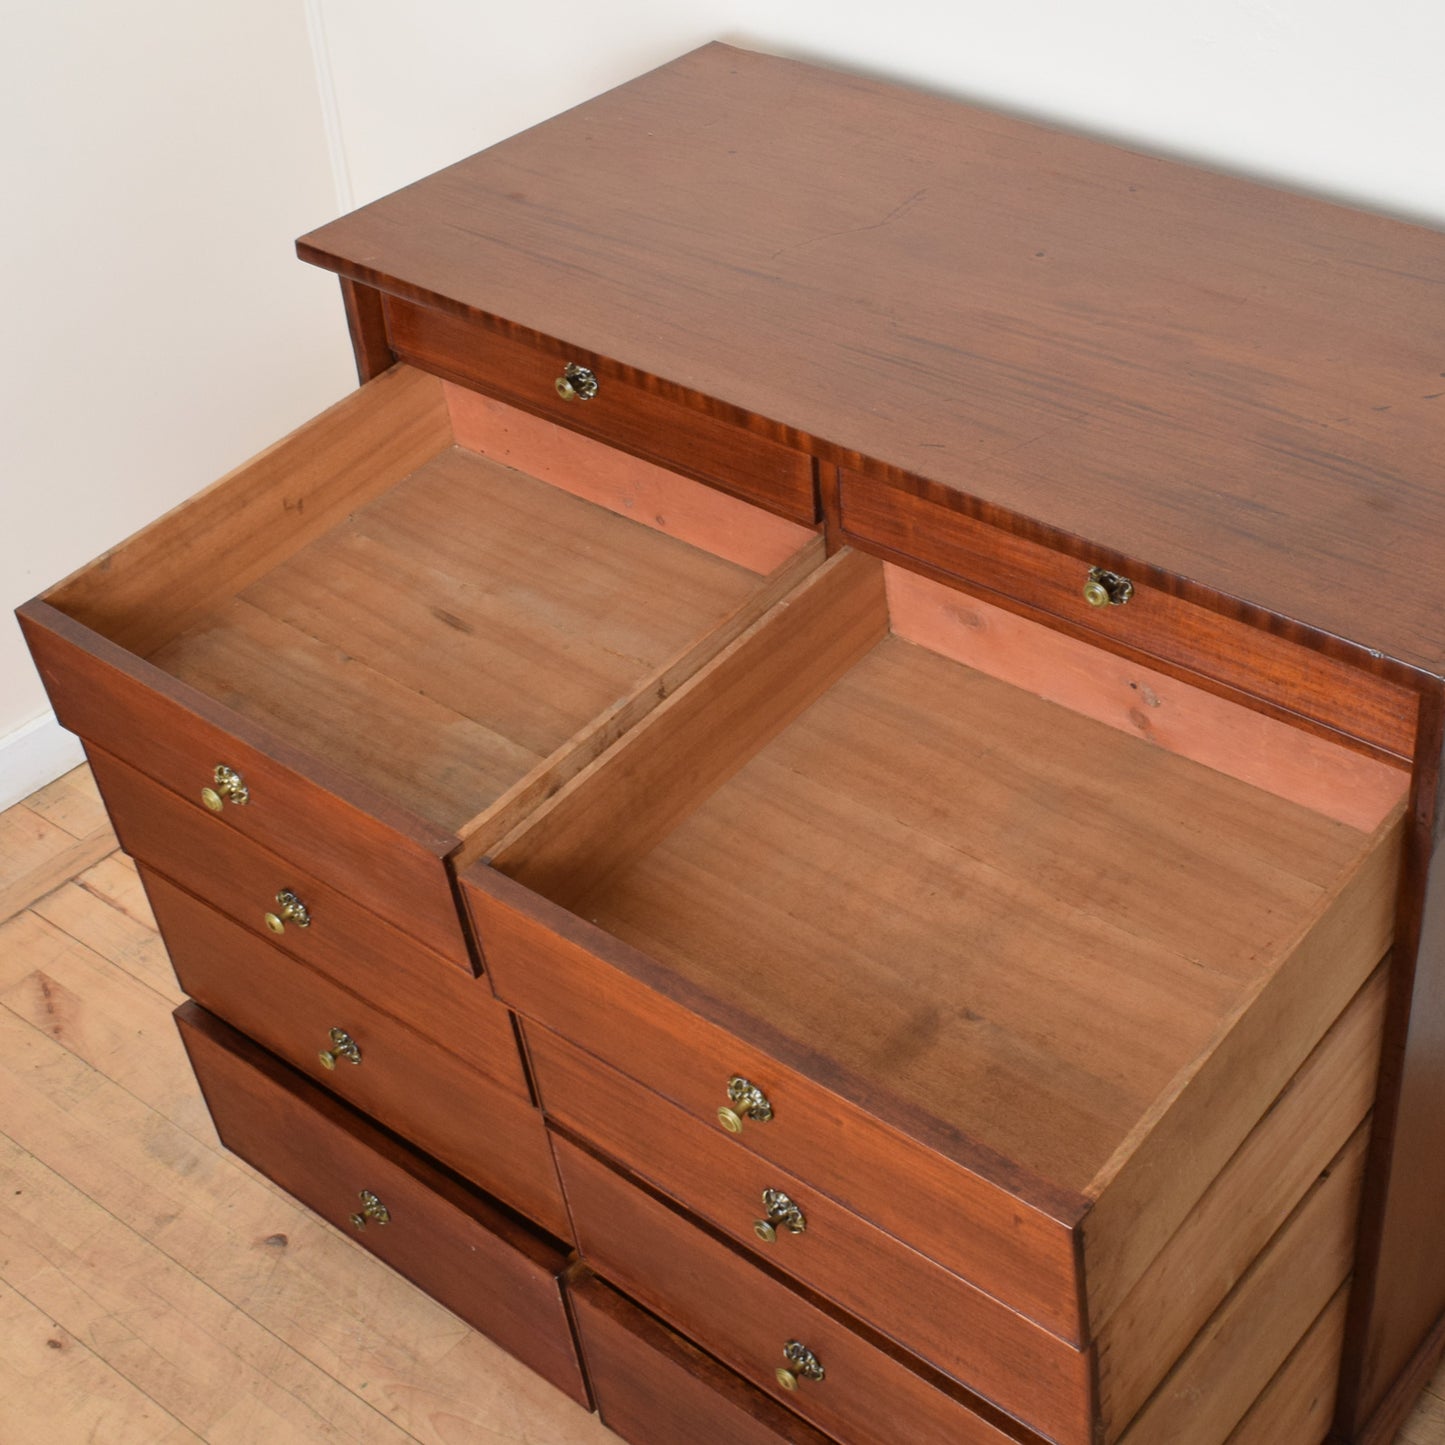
(652, 1387)
(480, 1262)
(1198, 643)
(1015, 985)
(492, 1136)
(626, 411)
(951, 1324)
(343, 940)
(746, 1317)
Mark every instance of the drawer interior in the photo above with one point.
(430, 618)
(1041, 933)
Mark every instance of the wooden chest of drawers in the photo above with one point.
(844, 739)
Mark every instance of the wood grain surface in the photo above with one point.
(907, 774)
(909, 770)
(299, 804)
(481, 1262)
(153, 1283)
(242, 880)
(652, 1385)
(1266, 752)
(145, 590)
(1247, 1202)
(447, 1010)
(1298, 1403)
(1240, 386)
(1235, 1356)
(994, 1351)
(744, 1316)
(686, 439)
(443, 641)
(492, 1136)
(264, 1321)
(1205, 647)
(367, 326)
(644, 1018)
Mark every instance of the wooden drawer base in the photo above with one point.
(497, 1274)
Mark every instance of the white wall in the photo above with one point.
(1338, 96)
(161, 157)
(157, 161)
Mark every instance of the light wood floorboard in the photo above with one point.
(154, 1289)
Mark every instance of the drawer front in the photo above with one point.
(480, 1262)
(1204, 644)
(178, 738)
(554, 969)
(622, 413)
(652, 1386)
(745, 1317)
(961, 1330)
(493, 1137)
(343, 940)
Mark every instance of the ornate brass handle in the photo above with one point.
(371, 1208)
(230, 787)
(748, 1102)
(1107, 589)
(343, 1046)
(576, 383)
(779, 1213)
(802, 1365)
(289, 909)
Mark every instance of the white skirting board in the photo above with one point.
(34, 754)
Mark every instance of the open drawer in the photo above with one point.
(381, 640)
(1013, 983)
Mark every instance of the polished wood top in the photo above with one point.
(1238, 388)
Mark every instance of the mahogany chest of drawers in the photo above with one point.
(818, 806)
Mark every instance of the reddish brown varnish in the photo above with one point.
(500, 1276)
(652, 1385)
(988, 353)
(418, 1089)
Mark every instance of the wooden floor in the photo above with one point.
(152, 1287)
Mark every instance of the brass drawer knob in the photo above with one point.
(343, 1046)
(289, 909)
(747, 1102)
(371, 1209)
(802, 1365)
(779, 1212)
(230, 787)
(1107, 589)
(576, 383)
